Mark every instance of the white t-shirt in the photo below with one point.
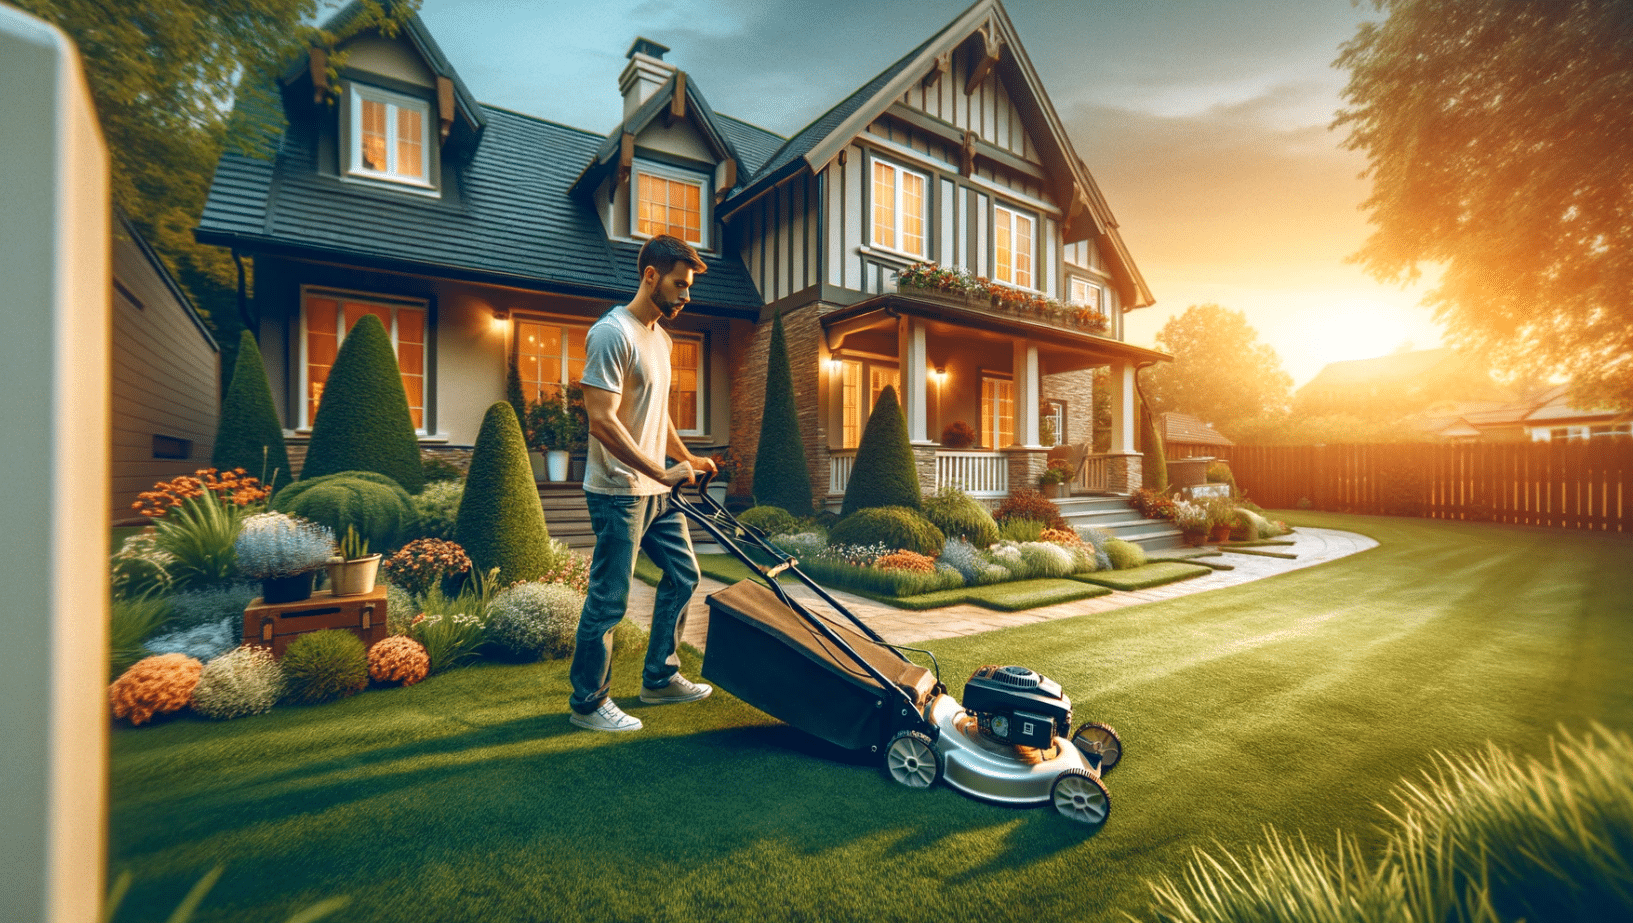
(630, 359)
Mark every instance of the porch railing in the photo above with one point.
(840, 463)
(979, 474)
(1095, 473)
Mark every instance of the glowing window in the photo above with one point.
(390, 136)
(327, 318)
(1012, 247)
(898, 209)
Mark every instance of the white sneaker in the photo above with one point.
(679, 689)
(608, 717)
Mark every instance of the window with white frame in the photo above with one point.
(669, 201)
(898, 209)
(1013, 247)
(326, 318)
(1088, 294)
(1052, 423)
(549, 356)
(997, 412)
(686, 385)
(390, 136)
(850, 397)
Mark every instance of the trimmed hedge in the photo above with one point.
(780, 476)
(500, 522)
(772, 520)
(885, 473)
(248, 434)
(896, 527)
(959, 515)
(363, 422)
(374, 504)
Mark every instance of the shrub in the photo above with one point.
(970, 564)
(1021, 530)
(449, 639)
(500, 523)
(1154, 463)
(199, 535)
(246, 680)
(1250, 526)
(130, 622)
(1219, 473)
(373, 504)
(322, 666)
(535, 620)
(885, 473)
(425, 563)
(276, 545)
(569, 569)
(1043, 559)
(398, 660)
(802, 545)
(248, 434)
(212, 605)
(436, 508)
(439, 470)
(769, 519)
(958, 435)
(1026, 503)
(857, 555)
(893, 582)
(959, 515)
(154, 685)
(1124, 555)
(363, 422)
(1066, 537)
(780, 476)
(400, 609)
(893, 526)
(908, 561)
(140, 567)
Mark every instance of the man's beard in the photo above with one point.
(669, 309)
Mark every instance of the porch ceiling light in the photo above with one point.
(500, 318)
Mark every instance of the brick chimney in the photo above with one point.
(644, 74)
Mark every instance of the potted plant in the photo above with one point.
(1221, 516)
(1054, 478)
(958, 435)
(284, 553)
(539, 429)
(352, 571)
(1193, 520)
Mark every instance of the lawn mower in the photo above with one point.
(1010, 741)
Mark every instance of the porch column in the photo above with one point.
(1123, 410)
(1025, 372)
(914, 360)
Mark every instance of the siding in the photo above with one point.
(165, 379)
(781, 245)
(988, 111)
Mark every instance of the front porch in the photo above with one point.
(981, 474)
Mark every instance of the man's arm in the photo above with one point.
(601, 406)
(677, 449)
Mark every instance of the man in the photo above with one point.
(626, 395)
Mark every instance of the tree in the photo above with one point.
(248, 434)
(885, 473)
(363, 423)
(501, 523)
(1220, 370)
(167, 77)
(780, 476)
(1498, 148)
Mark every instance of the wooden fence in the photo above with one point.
(1573, 485)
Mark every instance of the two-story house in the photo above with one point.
(484, 237)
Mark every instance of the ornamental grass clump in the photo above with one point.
(1124, 555)
(273, 545)
(533, 620)
(897, 528)
(1021, 530)
(153, 686)
(1043, 559)
(322, 666)
(802, 545)
(449, 639)
(970, 564)
(398, 660)
(959, 515)
(131, 622)
(436, 508)
(246, 680)
(423, 564)
(140, 567)
(199, 534)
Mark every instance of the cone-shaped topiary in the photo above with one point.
(780, 476)
(363, 422)
(501, 523)
(322, 666)
(373, 504)
(248, 435)
(1154, 463)
(885, 474)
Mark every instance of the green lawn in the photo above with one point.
(1296, 701)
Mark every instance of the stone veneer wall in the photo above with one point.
(1076, 390)
(1025, 467)
(924, 464)
(802, 327)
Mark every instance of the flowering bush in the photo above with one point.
(857, 555)
(424, 563)
(154, 685)
(398, 660)
(235, 487)
(958, 435)
(1191, 517)
(535, 619)
(906, 560)
(1025, 503)
(1066, 537)
(568, 568)
(805, 546)
(244, 681)
(955, 281)
(141, 568)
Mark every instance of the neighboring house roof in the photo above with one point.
(1545, 407)
(1184, 428)
(135, 237)
(1350, 373)
(1554, 406)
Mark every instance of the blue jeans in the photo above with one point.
(622, 524)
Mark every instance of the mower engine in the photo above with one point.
(1016, 706)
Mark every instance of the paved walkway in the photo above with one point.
(1312, 547)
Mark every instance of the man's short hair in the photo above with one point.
(664, 251)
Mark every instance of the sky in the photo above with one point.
(1205, 123)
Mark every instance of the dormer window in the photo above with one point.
(671, 201)
(390, 136)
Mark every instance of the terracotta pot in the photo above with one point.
(353, 577)
(1220, 533)
(1195, 537)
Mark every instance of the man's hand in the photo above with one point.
(679, 473)
(701, 464)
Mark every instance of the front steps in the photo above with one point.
(1113, 514)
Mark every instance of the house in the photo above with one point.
(1397, 385)
(1545, 415)
(166, 375)
(1185, 436)
(484, 237)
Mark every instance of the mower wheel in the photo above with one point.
(1081, 796)
(913, 760)
(1100, 744)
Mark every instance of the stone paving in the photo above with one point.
(1312, 547)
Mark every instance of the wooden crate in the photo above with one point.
(276, 625)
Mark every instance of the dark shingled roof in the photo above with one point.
(1186, 429)
(754, 144)
(510, 220)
